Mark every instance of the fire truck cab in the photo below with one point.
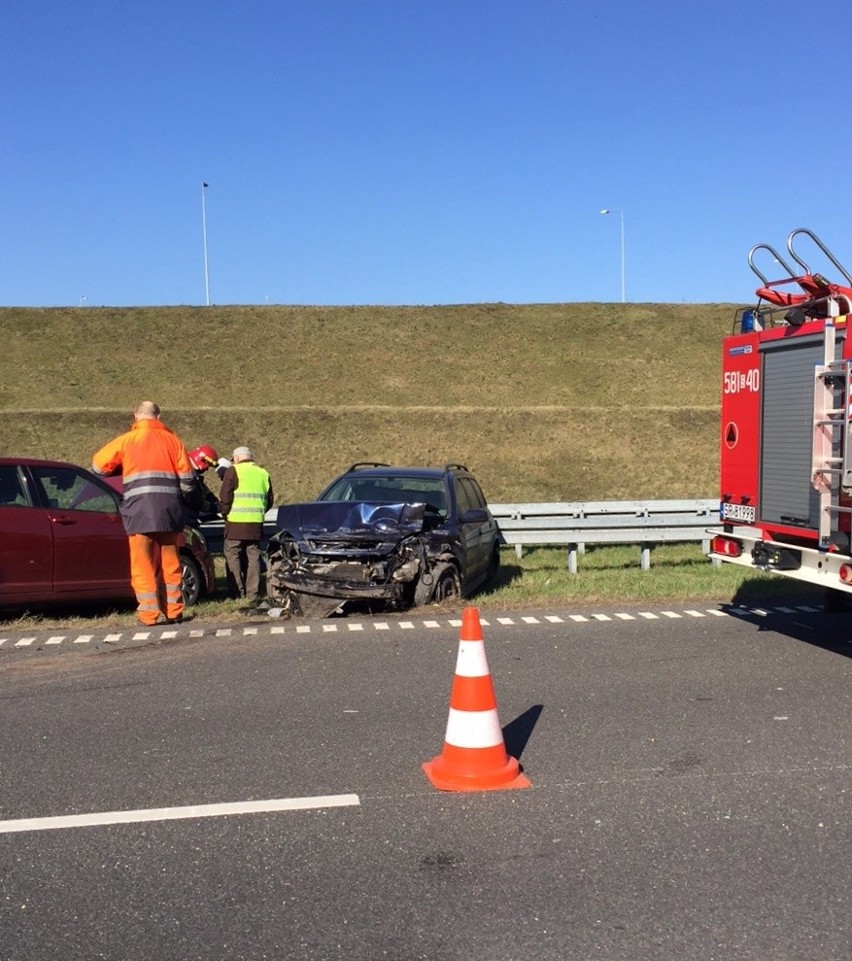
(786, 449)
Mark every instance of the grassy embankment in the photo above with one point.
(544, 402)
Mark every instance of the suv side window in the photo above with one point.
(475, 493)
(463, 496)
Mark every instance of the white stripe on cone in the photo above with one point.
(471, 660)
(473, 729)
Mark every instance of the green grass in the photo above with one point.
(542, 401)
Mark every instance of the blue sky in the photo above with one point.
(412, 152)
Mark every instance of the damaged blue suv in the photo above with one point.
(395, 537)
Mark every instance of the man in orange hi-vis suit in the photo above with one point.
(156, 471)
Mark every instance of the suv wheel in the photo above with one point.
(191, 581)
(445, 584)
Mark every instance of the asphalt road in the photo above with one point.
(690, 792)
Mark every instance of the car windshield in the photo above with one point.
(391, 490)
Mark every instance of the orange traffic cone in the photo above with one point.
(474, 756)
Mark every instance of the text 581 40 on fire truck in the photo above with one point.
(786, 426)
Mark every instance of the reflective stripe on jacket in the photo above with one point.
(250, 494)
(155, 468)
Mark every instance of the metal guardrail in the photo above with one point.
(574, 525)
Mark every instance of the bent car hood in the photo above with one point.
(350, 520)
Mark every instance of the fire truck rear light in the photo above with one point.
(846, 573)
(728, 547)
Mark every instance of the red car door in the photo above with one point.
(91, 554)
(26, 544)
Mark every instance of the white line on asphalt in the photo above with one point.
(56, 639)
(356, 627)
(625, 617)
(505, 621)
(303, 628)
(329, 628)
(24, 642)
(578, 617)
(669, 614)
(431, 624)
(381, 626)
(223, 632)
(601, 617)
(276, 630)
(648, 616)
(110, 638)
(83, 639)
(530, 620)
(406, 625)
(694, 613)
(178, 813)
(716, 612)
(553, 618)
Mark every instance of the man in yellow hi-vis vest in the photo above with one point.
(244, 498)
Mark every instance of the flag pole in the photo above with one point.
(204, 232)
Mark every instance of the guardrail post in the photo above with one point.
(572, 558)
(645, 556)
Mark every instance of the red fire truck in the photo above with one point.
(786, 426)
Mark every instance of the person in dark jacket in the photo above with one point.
(245, 497)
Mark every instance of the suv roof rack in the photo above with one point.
(364, 464)
(456, 467)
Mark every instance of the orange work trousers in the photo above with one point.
(155, 576)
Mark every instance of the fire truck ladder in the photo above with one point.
(831, 469)
(809, 233)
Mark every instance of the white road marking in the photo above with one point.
(407, 625)
(178, 813)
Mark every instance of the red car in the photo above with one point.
(62, 538)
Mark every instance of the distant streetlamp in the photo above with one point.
(620, 212)
(204, 234)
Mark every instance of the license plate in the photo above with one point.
(739, 512)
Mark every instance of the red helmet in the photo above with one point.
(203, 457)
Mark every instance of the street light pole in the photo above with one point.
(620, 212)
(204, 232)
